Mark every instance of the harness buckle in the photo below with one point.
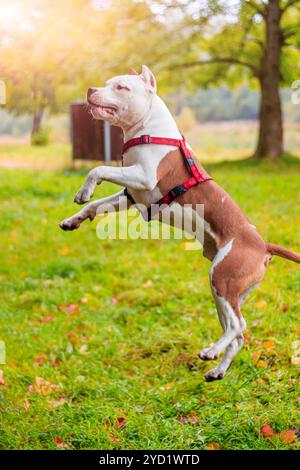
(145, 139)
(177, 191)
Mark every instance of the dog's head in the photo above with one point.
(125, 99)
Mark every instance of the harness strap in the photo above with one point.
(197, 175)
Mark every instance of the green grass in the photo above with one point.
(143, 310)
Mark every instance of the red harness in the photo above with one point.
(198, 176)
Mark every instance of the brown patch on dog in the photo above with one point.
(244, 265)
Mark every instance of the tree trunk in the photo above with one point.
(270, 140)
(37, 122)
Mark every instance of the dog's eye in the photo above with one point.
(120, 87)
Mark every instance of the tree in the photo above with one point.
(52, 51)
(254, 39)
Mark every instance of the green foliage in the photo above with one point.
(224, 42)
(42, 137)
(143, 309)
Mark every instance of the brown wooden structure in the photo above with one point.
(93, 139)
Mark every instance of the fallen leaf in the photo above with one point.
(47, 318)
(287, 437)
(58, 402)
(55, 362)
(255, 356)
(85, 299)
(70, 309)
(65, 250)
(212, 446)
(295, 355)
(262, 364)
(261, 304)
(120, 424)
(188, 361)
(147, 284)
(26, 403)
(2, 381)
(60, 444)
(284, 307)
(295, 361)
(192, 419)
(42, 387)
(40, 360)
(114, 301)
(269, 344)
(167, 386)
(114, 438)
(267, 431)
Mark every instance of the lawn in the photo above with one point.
(102, 336)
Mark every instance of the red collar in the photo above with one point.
(198, 175)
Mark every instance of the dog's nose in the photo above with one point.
(91, 91)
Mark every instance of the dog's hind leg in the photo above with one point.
(233, 325)
(230, 352)
(234, 273)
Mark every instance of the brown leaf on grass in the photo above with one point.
(70, 309)
(297, 330)
(148, 283)
(255, 356)
(191, 419)
(42, 387)
(188, 361)
(47, 318)
(262, 304)
(65, 250)
(288, 437)
(247, 337)
(167, 386)
(212, 446)
(120, 424)
(55, 362)
(40, 360)
(295, 361)
(59, 402)
(85, 299)
(26, 404)
(2, 381)
(267, 431)
(284, 307)
(114, 439)
(269, 344)
(295, 353)
(60, 444)
(261, 364)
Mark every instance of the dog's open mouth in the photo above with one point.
(108, 109)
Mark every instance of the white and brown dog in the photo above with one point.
(238, 253)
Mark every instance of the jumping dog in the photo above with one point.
(158, 166)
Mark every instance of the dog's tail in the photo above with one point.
(283, 252)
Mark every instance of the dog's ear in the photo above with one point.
(131, 71)
(149, 78)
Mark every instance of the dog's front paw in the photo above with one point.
(84, 195)
(70, 224)
(208, 354)
(214, 374)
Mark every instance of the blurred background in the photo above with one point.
(225, 68)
